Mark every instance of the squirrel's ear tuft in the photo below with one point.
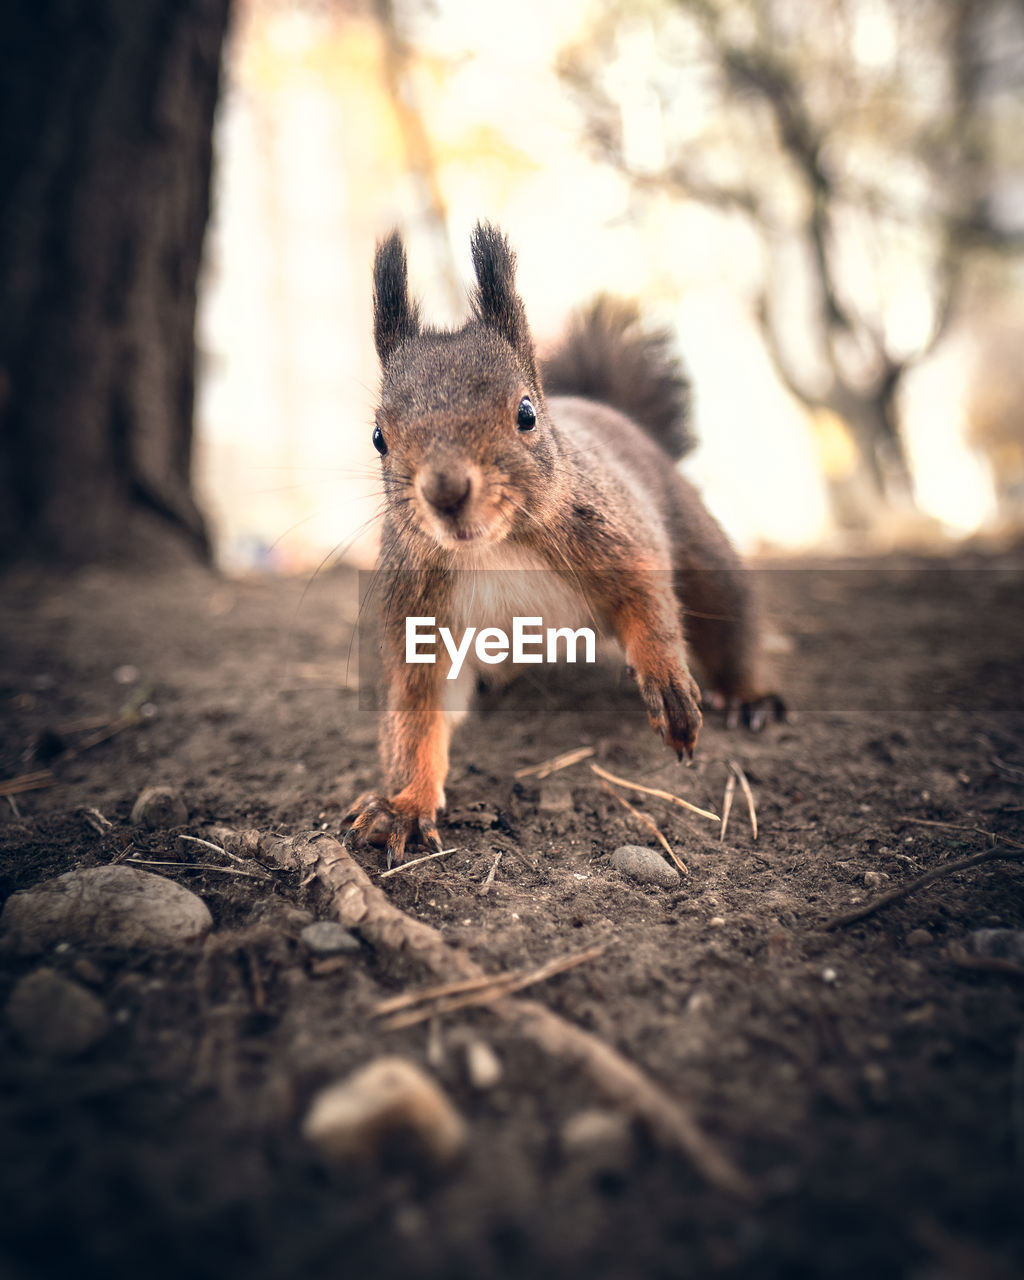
(495, 301)
(395, 315)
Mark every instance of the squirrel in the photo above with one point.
(493, 461)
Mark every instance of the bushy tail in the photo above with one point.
(607, 355)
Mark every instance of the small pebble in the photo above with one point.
(113, 906)
(88, 970)
(716, 922)
(482, 1065)
(829, 975)
(919, 938)
(53, 1016)
(328, 938)
(997, 944)
(646, 866)
(603, 1138)
(388, 1112)
(159, 808)
(875, 879)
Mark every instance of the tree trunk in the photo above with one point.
(105, 166)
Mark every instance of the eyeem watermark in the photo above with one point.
(530, 642)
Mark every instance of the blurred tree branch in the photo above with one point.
(815, 152)
(398, 73)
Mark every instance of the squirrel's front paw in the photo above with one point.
(673, 708)
(401, 820)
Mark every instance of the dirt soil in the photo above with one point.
(867, 1079)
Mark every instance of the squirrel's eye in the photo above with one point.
(379, 443)
(526, 419)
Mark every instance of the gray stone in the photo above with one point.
(998, 944)
(389, 1110)
(159, 808)
(103, 907)
(602, 1138)
(482, 1065)
(53, 1016)
(644, 865)
(328, 938)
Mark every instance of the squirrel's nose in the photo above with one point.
(447, 491)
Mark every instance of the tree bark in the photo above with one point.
(105, 164)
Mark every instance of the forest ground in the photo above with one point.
(868, 1080)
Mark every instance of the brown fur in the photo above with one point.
(590, 494)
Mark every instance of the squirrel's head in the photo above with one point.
(465, 442)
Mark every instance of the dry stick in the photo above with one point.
(110, 730)
(653, 791)
(642, 817)
(486, 886)
(502, 984)
(208, 844)
(548, 767)
(730, 790)
(985, 964)
(361, 905)
(742, 777)
(427, 857)
(197, 866)
(409, 999)
(44, 777)
(904, 891)
(956, 826)
(27, 782)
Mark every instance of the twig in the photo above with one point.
(956, 826)
(548, 767)
(748, 794)
(642, 817)
(1008, 768)
(428, 857)
(359, 904)
(208, 844)
(653, 791)
(27, 782)
(504, 984)
(408, 999)
(259, 990)
(485, 888)
(904, 891)
(197, 866)
(930, 822)
(100, 824)
(985, 964)
(102, 735)
(730, 789)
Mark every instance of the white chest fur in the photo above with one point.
(497, 584)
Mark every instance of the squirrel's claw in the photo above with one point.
(756, 713)
(410, 828)
(673, 708)
(362, 816)
(373, 815)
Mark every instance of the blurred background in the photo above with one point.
(824, 199)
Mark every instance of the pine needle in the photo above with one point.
(548, 767)
(653, 791)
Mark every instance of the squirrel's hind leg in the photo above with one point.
(719, 619)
